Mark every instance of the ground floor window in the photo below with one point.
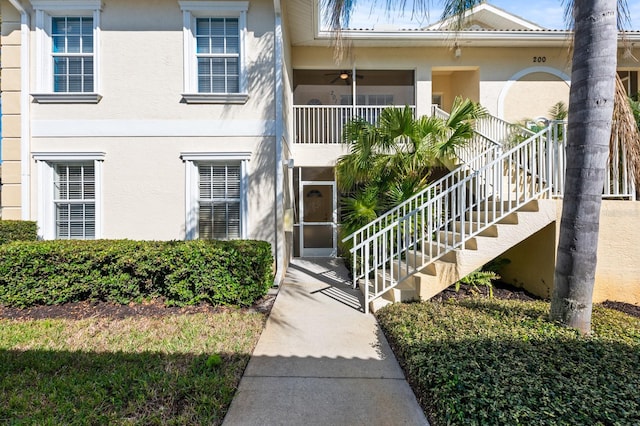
(219, 201)
(74, 199)
(216, 201)
(69, 195)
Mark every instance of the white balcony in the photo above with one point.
(323, 124)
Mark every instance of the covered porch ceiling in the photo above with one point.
(363, 77)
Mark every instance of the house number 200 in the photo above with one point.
(539, 59)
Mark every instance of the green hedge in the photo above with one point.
(17, 230)
(122, 271)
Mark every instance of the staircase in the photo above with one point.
(485, 246)
(495, 199)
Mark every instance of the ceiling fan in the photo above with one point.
(346, 76)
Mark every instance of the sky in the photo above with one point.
(547, 13)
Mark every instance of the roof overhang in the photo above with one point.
(493, 38)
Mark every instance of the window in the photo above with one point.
(219, 201)
(214, 51)
(67, 51)
(72, 54)
(74, 199)
(216, 188)
(218, 53)
(69, 195)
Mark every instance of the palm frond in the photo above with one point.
(456, 9)
(464, 110)
(360, 208)
(625, 131)
(397, 127)
(559, 111)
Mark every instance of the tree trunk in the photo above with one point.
(590, 113)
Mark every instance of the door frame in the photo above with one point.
(318, 252)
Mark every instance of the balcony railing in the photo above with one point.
(324, 124)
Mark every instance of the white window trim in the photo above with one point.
(46, 162)
(44, 10)
(208, 9)
(191, 160)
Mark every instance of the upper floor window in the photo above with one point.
(214, 65)
(218, 53)
(72, 51)
(67, 59)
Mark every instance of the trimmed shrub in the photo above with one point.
(123, 271)
(481, 361)
(18, 230)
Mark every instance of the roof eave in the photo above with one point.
(478, 38)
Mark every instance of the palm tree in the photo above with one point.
(591, 102)
(591, 99)
(391, 160)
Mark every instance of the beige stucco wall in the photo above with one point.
(11, 126)
(533, 95)
(618, 268)
(532, 263)
(142, 125)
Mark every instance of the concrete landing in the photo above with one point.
(321, 361)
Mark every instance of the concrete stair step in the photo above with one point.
(450, 238)
(439, 268)
(429, 285)
(487, 217)
(403, 292)
(469, 227)
(418, 257)
(531, 206)
(377, 304)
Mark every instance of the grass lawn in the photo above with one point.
(485, 361)
(170, 369)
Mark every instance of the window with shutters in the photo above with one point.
(69, 195)
(219, 201)
(214, 58)
(74, 199)
(67, 51)
(216, 195)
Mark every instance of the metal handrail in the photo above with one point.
(388, 253)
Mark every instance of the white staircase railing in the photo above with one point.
(494, 128)
(502, 131)
(450, 212)
(619, 181)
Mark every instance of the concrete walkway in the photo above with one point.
(321, 361)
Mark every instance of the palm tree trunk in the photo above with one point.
(590, 112)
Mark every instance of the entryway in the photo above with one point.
(315, 229)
